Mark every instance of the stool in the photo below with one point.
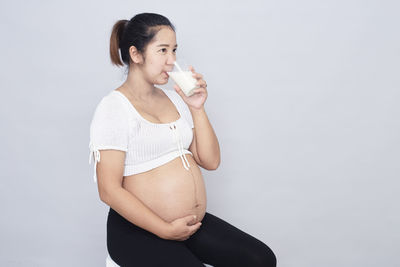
(110, 262)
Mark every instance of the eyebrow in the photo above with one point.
(165, 45)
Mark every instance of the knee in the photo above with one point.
(263, 257)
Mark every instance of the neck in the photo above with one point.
(138, 87)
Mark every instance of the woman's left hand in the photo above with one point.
(200, 94)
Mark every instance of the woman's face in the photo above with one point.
(160, 56)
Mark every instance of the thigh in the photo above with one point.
(129, 245)
(221, 244)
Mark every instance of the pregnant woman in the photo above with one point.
(148, 144)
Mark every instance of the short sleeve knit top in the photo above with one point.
(116, 124)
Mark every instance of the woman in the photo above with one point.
(151, 143)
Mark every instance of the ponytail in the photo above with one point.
(115, 41)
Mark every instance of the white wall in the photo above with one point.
(303, 95)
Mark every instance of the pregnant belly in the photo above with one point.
(170, 190)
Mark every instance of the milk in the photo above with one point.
(184, 80)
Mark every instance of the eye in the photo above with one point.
(164, 50)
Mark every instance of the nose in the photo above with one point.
(171, 59)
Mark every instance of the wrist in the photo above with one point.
(195, 111)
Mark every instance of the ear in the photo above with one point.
(135, 55)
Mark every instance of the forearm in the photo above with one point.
(135, 211)
(207, 145)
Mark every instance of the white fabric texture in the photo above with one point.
(116, 124)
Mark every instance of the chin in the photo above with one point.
(161, 82)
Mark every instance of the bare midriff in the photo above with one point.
(170, 190)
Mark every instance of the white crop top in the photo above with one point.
(116, 124)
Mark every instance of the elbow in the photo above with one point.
(217, 165)
(104, 198)
(214, 165)
(108, 193)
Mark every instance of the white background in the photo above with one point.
(303, 96)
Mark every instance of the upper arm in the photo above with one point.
(110, 171)
(109, 134)
(193, 149)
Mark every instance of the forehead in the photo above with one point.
(164, 36)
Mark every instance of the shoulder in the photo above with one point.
(111, 99)
(112, 103)
(111, 110)
(109, 126)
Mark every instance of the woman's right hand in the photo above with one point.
(182, 228)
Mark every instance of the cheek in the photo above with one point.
(153, 65)
(151, 68)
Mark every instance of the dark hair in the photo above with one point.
(138, 32)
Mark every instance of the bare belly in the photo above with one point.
(170, 190)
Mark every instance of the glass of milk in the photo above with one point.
(182, 76)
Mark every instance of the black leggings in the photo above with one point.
(216, 242)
